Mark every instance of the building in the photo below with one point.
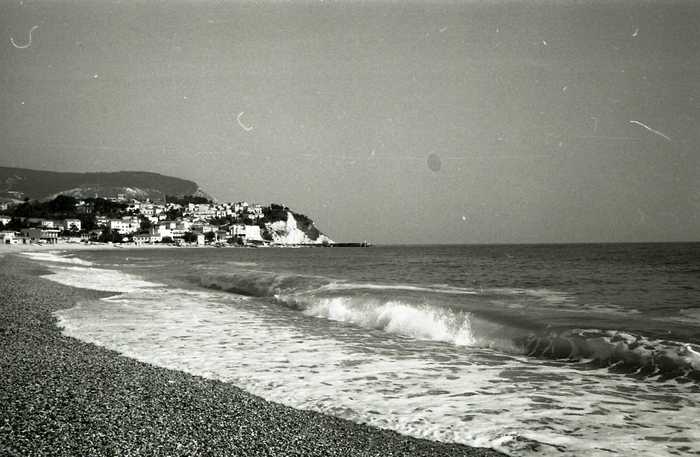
(246, 233)
(40, 221)
(91, 235)
(240, 207)
(4, 220)
(41, 235)
(166, 229)
(147, 238)
(150, 209)
(72, 225)
(125, 225)
(8, 237)
(221, 236)
(202, 210)
(203, 228)
(50, 224)
(256, 211)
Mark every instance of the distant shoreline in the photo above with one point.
(61, 246)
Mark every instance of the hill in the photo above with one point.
(19, 183)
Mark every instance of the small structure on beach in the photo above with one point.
(8, 237)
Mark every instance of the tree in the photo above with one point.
(108, 235)
(266, 234)
(186, 199)
(87, 222)
(210, 236)
(16, 224)
(275, 213)
(63, 204)
(189, 237)
(174, 213)
(145, 225)
(166, 239)
(106, 207)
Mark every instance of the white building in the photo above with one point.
(203, 228)
(8, 237)
(4, 220)
(246, 233)
(125, 225)
(72, 225)
(147, 238)
(239, 207)
(150, 209)
(256, 211)
(164, 229)
(203, 210)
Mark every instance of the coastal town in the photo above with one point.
(181, 221)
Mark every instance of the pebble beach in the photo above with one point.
(63, 397)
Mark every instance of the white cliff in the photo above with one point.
(288, 232)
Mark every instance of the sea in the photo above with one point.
(566, 350)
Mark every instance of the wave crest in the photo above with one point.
(428, 313)
(421, 322)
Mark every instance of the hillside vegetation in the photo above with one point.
(20, 183)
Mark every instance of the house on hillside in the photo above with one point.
(125, 225)
(164, 228)
(246, 234)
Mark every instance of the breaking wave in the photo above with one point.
(55, 258)
(255, 283)
(421, 322)
(427, 313)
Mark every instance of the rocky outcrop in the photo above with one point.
(295, 232)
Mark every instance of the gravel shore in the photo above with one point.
(63, 397)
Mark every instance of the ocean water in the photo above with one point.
(531, 350)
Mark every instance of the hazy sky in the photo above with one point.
(527, 105)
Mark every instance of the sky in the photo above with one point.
(394, 122)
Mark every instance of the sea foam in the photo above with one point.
(54, 257)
